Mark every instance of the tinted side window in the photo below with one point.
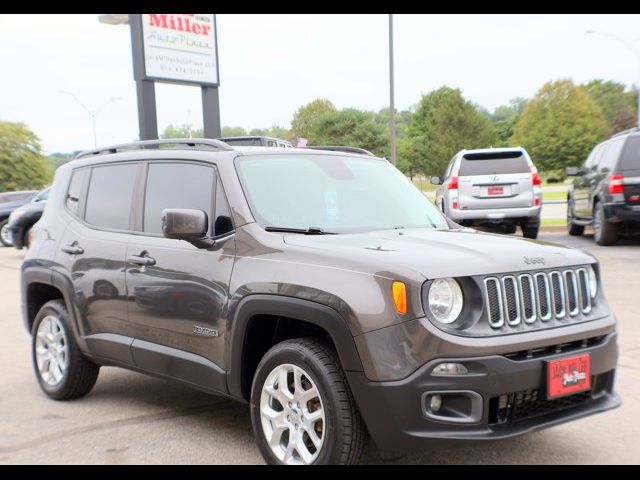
(176, 185)
(631, 156)
(610, 156)
(75, 189)
(110, 195)
(222, 223)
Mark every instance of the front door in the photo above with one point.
(177, 294)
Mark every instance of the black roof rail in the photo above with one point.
(206, 143)
(625, 132)
(338, 148)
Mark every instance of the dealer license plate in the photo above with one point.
(495, 190)
(568, 375)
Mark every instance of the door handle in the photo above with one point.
(73, 249)
(143, 259)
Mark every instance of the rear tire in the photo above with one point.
(605, 233)
(63, 373)
(510, 228)
(315, 407)
(530, 230)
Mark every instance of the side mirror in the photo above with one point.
(572, 171)
(435, 180)
(186, 224)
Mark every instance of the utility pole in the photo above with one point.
(392, 109)
(92, 113)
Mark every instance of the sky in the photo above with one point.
(272, 64)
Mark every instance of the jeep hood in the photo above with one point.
(434, 253)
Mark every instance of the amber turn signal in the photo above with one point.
(399, 291)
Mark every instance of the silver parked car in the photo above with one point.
(492, 187)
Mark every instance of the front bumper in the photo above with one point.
(494, 214)
(622, 212)
(398, 420)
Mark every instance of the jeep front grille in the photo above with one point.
(540, 296)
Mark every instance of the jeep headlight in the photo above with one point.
(445, 300)
(593, 282)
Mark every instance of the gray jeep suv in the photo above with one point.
(321, 288)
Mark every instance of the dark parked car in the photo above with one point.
(606, 190)
(9, 201)
(320, 287)
(23, 218)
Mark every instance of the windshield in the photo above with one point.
(334, 193)
(43, 196)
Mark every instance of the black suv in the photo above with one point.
(319, 286)
(606, 190)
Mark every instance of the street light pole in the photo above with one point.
(92, 113)
(392, 109)
(631, 47)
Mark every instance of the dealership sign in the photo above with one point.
(180, 48)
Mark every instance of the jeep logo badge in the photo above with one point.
(534, 260)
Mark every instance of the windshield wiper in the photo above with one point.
(308, 231)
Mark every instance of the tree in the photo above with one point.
(274, 131)
(444, 123)
(233, 131)
(54, 160)
(504, 119)
(182, 131)
(619, 106)
(306, 116)
(560, 125)
(355, 128)
(22, 166)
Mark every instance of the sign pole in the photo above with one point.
(211, 112)
(146, 91)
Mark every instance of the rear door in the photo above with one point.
(93, 250)
(495, 180)
(629, 167)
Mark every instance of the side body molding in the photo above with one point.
(300, 309)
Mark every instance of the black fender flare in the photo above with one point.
(300, 309)
(51, 276)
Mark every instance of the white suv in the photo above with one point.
(492, 187)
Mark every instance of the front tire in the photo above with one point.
(4, 233)
(63, 373)
(605, 233)
(302, 410)
(574, 230)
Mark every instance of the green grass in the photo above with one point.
(424, 184)
(553, 196)
(554, 222)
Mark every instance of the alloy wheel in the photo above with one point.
(4, 234)
(51, 350)
(292, 415)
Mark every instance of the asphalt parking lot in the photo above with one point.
(131, 418)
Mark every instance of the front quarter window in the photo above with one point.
(338, 194)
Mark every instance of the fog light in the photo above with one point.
(435, 403)
(449, 369)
